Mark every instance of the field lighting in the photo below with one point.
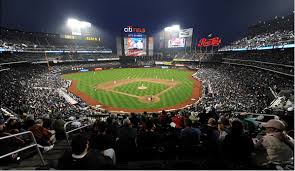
(172, 28)
(76, 26)
(73, 23)
(85, 24)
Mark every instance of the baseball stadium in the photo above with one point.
(149, 85)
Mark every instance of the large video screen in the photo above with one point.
(176, 42)
(135, 46)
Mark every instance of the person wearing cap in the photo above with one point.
(278, 146)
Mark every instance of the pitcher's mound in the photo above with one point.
(142, 88)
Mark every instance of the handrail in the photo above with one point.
(24, 148)
(73, 130)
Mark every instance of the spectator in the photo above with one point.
(13, 126)
(237, 147)
(190, 136)
(83, 158)
(211, 137)
(9, 145)
(134, 120)
(47, 121)
(279, 147)
(178, 120)
(102, 139)
(126, 141)
(223, 127)
(148, 141)
(29, 122)
(43, 136)
(58, 127)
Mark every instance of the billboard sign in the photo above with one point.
(215, 41)
(186, 32)
(176, 38)
(131, 29)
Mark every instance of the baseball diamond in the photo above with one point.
(136, 89)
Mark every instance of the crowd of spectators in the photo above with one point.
(63, 57)
(240, 88)
(16, 40)
(276, 32)
(284, 57)
(281, 61)
(208, 141)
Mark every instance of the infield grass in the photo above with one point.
(151, 88)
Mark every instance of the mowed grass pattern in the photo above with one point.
(88, 80)
(151, 88)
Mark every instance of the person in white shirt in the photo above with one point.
(278, 146)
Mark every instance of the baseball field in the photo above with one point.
(136, 89)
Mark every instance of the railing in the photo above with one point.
(73, 130)
(23, 148)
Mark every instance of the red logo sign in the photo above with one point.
(215, 41)
(131, 29)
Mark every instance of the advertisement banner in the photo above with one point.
(186, 32)
(84, 70)
(180, 65)
(97, 69)
(176, 42)
(159, 62)
(167, 63)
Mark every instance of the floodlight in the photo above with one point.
(84, 24)
(73, 23)
(172, 28)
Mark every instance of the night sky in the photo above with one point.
(228, 19)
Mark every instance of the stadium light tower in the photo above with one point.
(76, 26)
(73, 23)
(172, 28)
(85, 24)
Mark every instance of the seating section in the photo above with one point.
(275, 32)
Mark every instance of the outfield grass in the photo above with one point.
(88, 80)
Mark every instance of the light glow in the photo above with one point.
(77, 26)
(172, 28)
